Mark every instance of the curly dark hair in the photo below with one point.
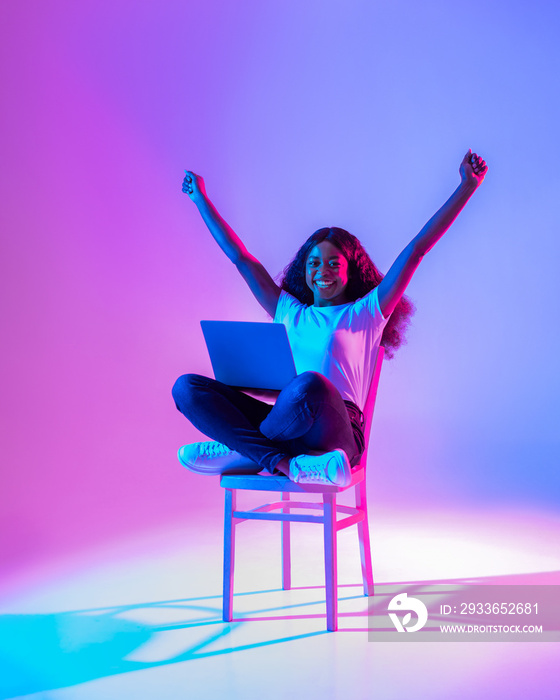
(363, 277)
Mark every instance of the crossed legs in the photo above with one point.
(309, 417)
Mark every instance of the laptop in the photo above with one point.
(249, 354)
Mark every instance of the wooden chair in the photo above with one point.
(281, 510)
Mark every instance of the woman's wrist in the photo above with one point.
(468, 186)
(202, 200)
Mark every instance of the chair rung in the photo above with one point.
(241, 515)
(350, 520)
(317, 506)
(351, 510)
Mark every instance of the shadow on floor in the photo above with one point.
(48, 651)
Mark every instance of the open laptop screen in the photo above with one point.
(249, 354)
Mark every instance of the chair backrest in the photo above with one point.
(370, 402)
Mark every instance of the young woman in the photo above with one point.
(338, 309)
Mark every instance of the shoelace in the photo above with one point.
(214, 449)
(314, 476)
(312, 472)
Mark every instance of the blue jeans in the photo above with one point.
(309, 416)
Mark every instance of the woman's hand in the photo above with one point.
(193, 185)
(472, 169)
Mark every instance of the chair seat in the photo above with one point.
(270, 482)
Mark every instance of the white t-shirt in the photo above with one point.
(340, 342)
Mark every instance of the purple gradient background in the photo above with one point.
(298, 115)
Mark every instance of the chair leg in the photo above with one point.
(229, 554)
(329, 511)
(286, 552)
(363, 537)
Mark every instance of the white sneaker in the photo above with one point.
(330, 468)
(215, 458)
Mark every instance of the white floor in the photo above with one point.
(142, 619)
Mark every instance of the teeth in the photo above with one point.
(324, 285)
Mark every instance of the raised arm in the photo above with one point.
(392, 287)
(262, 285)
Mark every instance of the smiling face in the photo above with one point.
(326, 274)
